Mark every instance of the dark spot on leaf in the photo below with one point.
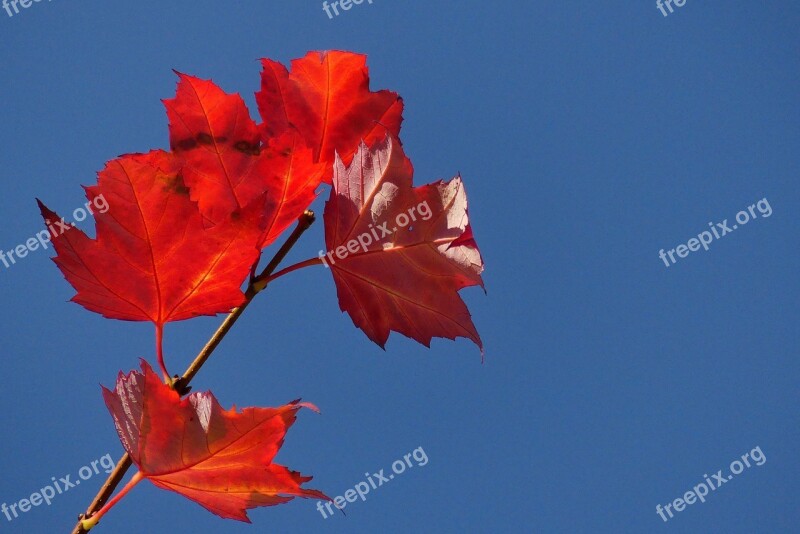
(186, 144)
(248, 148)
(175, 185)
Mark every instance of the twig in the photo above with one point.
(181, 385)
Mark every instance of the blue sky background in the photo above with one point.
(590, 136)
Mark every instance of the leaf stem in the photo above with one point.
(181, 385)
(303, 224)
(88, 524)
(307, 263)
(160, 350)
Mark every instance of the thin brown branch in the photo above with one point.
(182, 383)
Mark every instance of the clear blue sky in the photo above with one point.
(590, 135)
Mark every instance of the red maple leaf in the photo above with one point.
(226, 163)
(222, 460)
(152, 259)
(400, 254)
(326, 97)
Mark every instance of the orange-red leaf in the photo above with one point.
(293, 180)
(399, 254)
(227, 165)
(222, 460)
(214, 132)
(326, 97)
(152, 259)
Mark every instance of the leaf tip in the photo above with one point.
(310, 406)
